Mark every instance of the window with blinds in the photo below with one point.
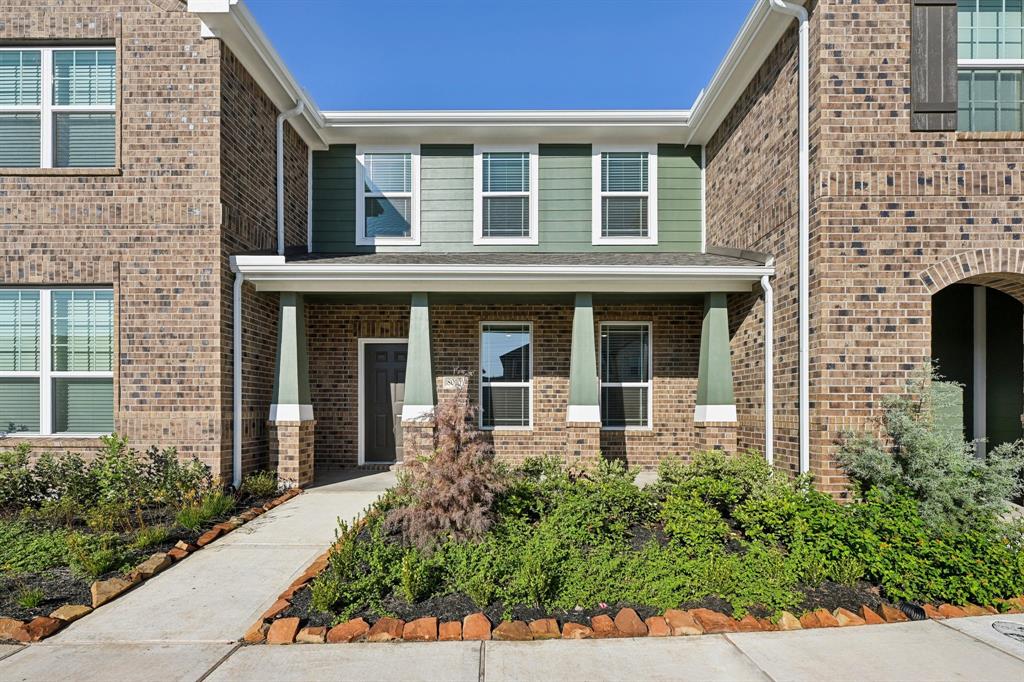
(625, 375)
(57, 107)
(56, 361)
(624, 196)
(387, 208)
(990, 60)
(505, 200)
(506, 374)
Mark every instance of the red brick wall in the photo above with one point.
(334, 331)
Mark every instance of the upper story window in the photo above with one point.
(57, 107)
(387, 195)
(990, 59)
(505, 195)
(625, 205)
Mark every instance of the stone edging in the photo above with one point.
(105, 591)
(627, 623)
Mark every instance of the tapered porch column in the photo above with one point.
(715, 414)
(583, 418)
(291, 412)
(418, 408)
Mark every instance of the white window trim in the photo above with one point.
(478, 195)
(414, 196)
(46, 374)
(651, 194)
(649, 384)
(511, 384)
(46, 108)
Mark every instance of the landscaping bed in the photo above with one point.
(77, 534)
(462, 538)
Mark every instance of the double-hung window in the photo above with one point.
(505, 195)
(56, 361)
(506, 373)
(387, 196)
(625, 375)
(625, 195)
(57, 107)
(990, 60)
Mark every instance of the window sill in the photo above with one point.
(52, 436)
(61, 172)
(632, 430)
(990, 135)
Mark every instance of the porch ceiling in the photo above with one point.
(537, 273)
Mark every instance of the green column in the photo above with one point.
(715, 399)
(419, 378)
(291, 375)
(583, 379)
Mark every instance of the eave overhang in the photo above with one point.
(274, 273)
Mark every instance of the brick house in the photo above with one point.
(197, 256)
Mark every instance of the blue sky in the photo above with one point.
(513, 54)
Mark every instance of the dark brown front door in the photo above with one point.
(383, 395)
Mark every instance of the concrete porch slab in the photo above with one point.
(450, 661)
(105, 662)
(709, 658)
(980, 627)
(902, 651)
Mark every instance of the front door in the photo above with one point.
(383, 397)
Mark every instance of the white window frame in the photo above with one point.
(649, 384)
(478, 194)
(651, 194)
(46, 108)
(511, 384)
(985, 65)
(414, 196)
(46, 374)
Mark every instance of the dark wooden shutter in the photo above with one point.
(933, 75)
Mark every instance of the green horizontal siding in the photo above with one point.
(564, 202)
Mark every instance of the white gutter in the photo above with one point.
(803, 229)
(484, 117)
(769, 369)
(294, 111)
(236, 380)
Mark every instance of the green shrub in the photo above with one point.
(152, 536)
(720, 479)
(214, 505)
(27, 548)
(30, 598)
(91, 556)
(260, 484)
(18, 487)
(691, 522)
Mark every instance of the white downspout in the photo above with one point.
(804, 227)
(769, 369)
(236, 382)
(309, 199)
(284, 115)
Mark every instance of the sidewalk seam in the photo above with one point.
(745, 655)
(483, 662)
(12, 653)
(981, 641)
(238, 645)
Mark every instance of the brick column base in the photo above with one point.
(417, 439)
(582, 442)
(291, 452)
(715, 436)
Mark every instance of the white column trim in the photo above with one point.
(980, 369)
(584, 413)
(714, 413)
(287, 412)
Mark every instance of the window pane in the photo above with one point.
(1009, 97)
(624, 217)
(506, 171)
(83, 330)
(19, 331)
(83, 405)
(505, 353)
(624, 172)
(989, 29)
(625, 351)
(83, 140)
(388, 172)
(388, 217)
(83, 77)
(991, 100)
(624, 406)
(19, 405)
(20, 77)
(505, 406)
(506, 217)
(19, 140)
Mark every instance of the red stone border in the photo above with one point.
(273, 629)
(105, 591)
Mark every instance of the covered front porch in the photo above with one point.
(627, 359)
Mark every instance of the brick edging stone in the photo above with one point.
(105, 591)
